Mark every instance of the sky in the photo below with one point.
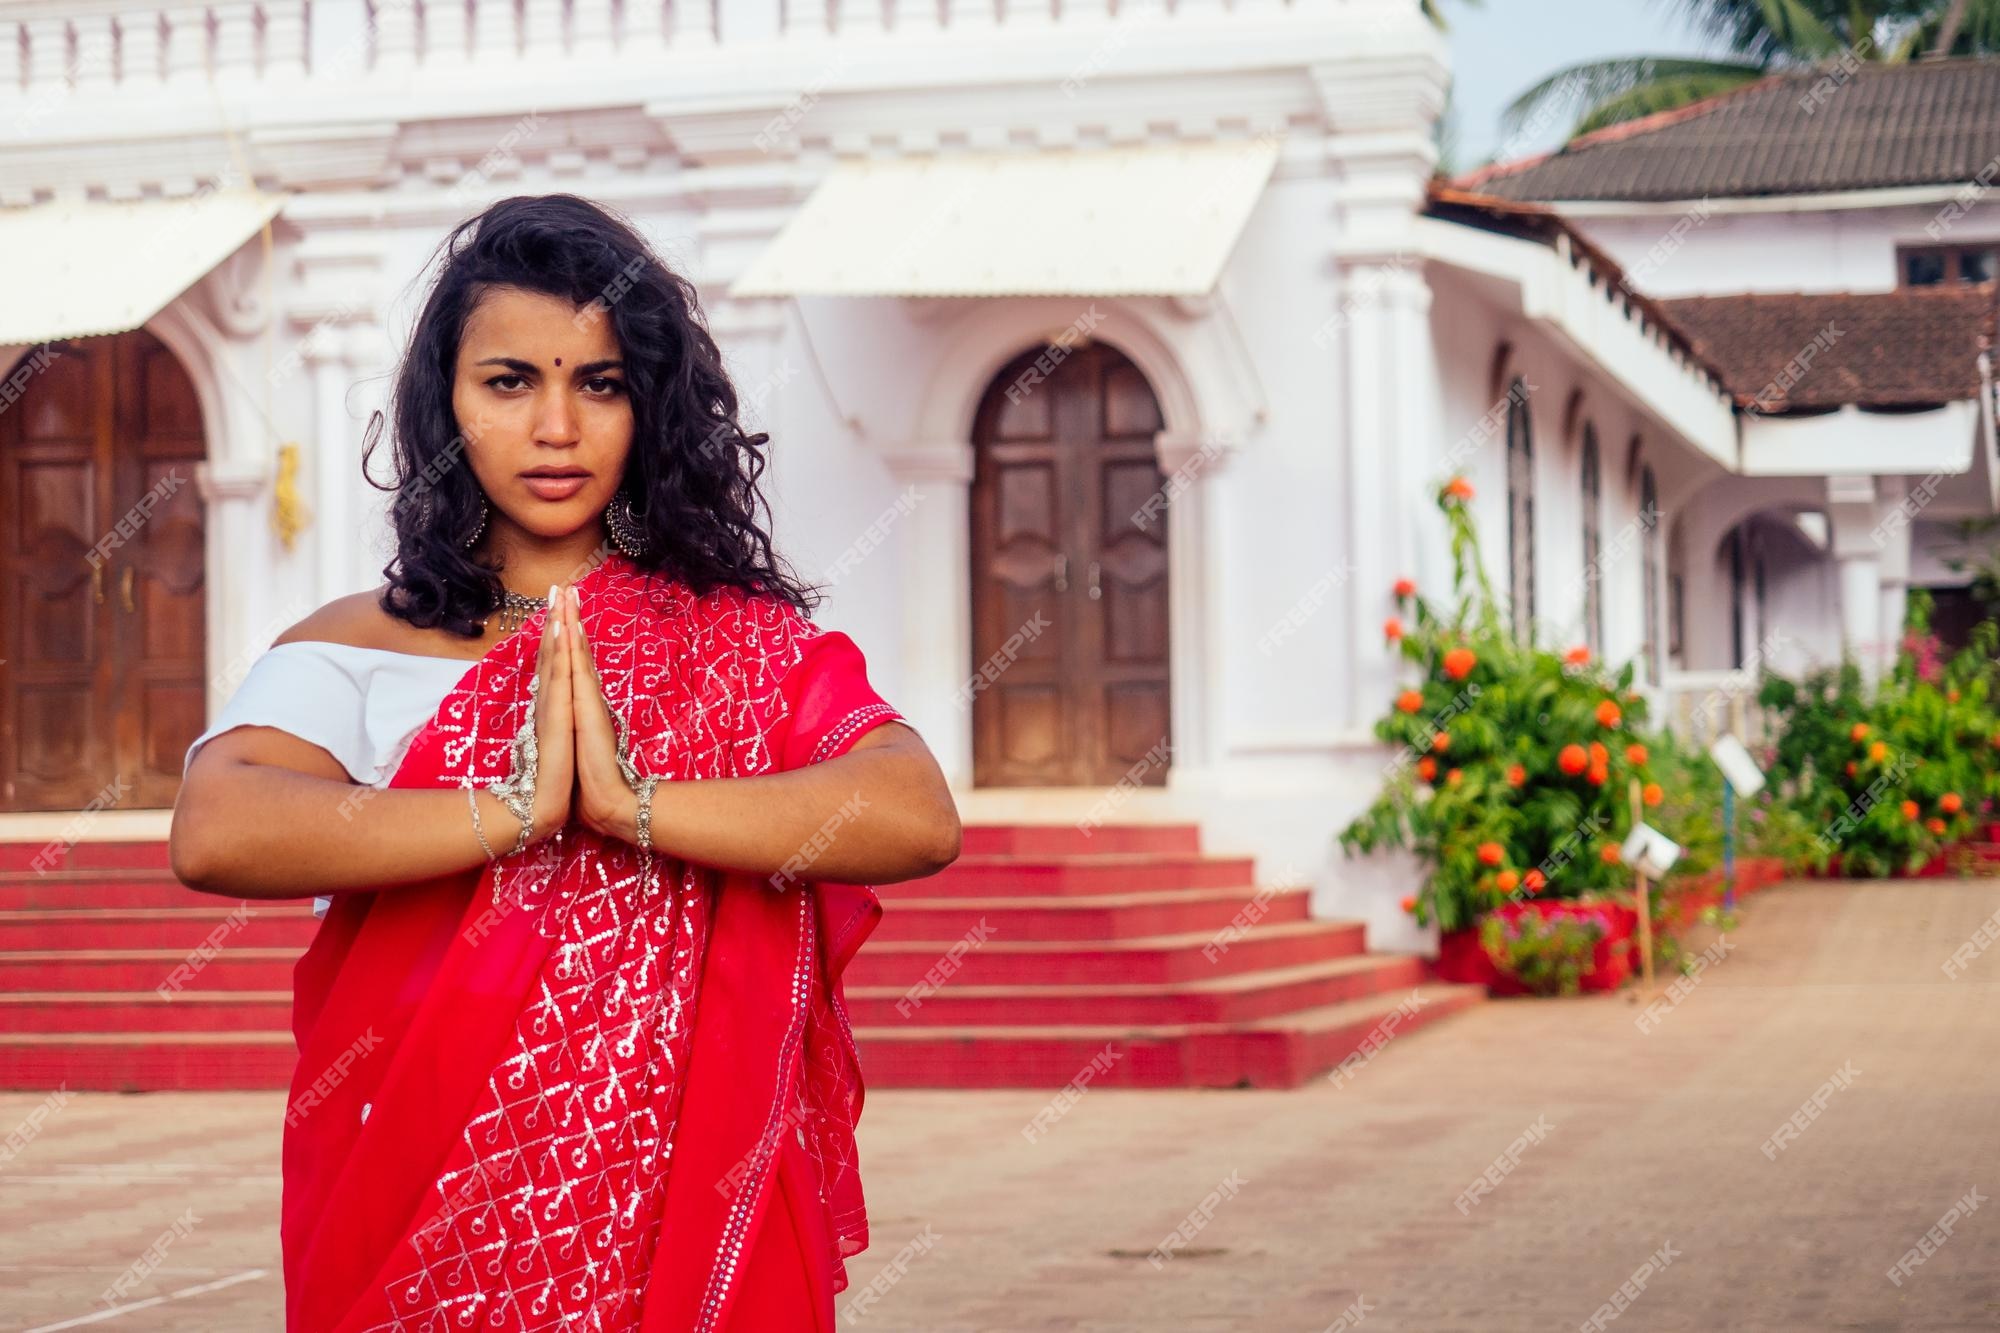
(1502, 47)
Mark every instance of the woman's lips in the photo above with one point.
(555, 488)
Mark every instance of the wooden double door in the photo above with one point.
(102, 600)
(1070, 514)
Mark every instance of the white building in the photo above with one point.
(1176, 274)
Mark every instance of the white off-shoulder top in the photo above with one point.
(363, 706)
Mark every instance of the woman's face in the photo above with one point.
(540, 389)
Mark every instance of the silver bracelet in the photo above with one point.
(630, 771)
(517, 790)
(472, 799)
(645, 790)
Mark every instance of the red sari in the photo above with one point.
(581, 1088)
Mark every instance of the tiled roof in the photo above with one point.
(1789, 350)
(1872, 127)
(1778, 351)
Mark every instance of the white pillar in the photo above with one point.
(1857, 551)
(937, 597)
(1195, 464)
(1393, 466)
(334, 459)
(1384, 156)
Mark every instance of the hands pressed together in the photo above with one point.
(575, 737)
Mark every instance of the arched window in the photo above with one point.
(1738, 570)
(1593, 547)
(1649, 521)
(1520, 512)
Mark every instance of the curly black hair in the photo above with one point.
(692, 470)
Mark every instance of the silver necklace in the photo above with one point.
(515, 608)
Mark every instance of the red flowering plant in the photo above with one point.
(1513, 761)
(1890, 773)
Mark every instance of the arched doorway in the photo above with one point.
(1069, 522)
(102, 650)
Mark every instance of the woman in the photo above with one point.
(571, 1045)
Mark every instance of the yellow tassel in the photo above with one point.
(288, 513)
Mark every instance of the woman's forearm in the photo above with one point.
(261, 831)
(871, 816)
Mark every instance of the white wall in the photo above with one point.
(1832, 250)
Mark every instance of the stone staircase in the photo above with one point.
(1041, 953)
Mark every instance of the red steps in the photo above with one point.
(145, 970)
(283, 924)
(1041, 954)
(1108, 917)
(977, 874)
(1051, 946)
(148, 1061)
(1228, 999)
(145, 1011)
(1280, 1052)
(1154, 960)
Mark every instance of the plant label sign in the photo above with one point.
(1739, 770)
(1649, 851)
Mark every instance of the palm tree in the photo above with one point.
(1762, 37)
(1434, 11)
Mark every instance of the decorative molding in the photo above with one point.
(1179, 450)
(235, 291)
(952, 461)
(230, 481)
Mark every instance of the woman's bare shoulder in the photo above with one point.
(358, 620)
(355, 621)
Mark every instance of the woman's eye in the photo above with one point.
(606, 385)
(500, 382)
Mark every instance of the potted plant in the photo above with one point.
(1512, 772)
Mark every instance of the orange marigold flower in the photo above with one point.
(1578, 655)
(1454, 777)
(1651, 793)
(1427, 768)
(1506, 881)
(1598, 775)
(1572, 760)
(1491, 853)
(1950, 803)
(1878, 751)
(1410, 903)
(1910, 810)
(1609, 854)
(1635, 753)
(1850, 768)
(1458, 488)
(1533, 881)
(1406, 587)
(1934, 824)
(1608, 714)
(1392, 628)
(1598, 754)
(1441, 742)
(1458, 663)
(1516, 775)
(1410, 700)
(1859, 732)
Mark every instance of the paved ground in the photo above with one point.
(1611, 1149)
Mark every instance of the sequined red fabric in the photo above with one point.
(559, 1092)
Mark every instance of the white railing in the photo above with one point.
(99, 44)
(1700, 705)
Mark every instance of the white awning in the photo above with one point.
(80, 268)
(1144, 220)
